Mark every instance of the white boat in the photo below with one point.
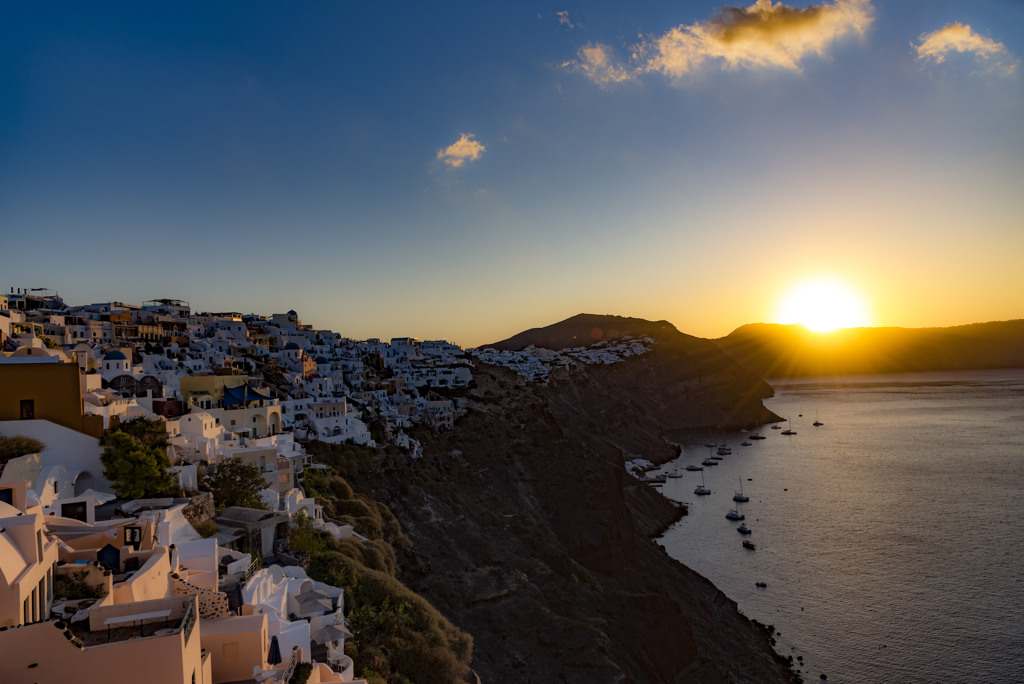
(743, 529)
(776, 427)
(709, 462)
(744, 443)
(740, 496)
(701, 490)
(694, 467)
(733, 514)
(675, 473)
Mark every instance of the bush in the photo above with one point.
(17, 446)
(206, 528)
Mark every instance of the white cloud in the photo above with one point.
(597, 63)
(957, 37)
(563, 18)
(763, 35)
(462, 150)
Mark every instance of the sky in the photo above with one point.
(469, 170)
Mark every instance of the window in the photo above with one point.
(28, 409)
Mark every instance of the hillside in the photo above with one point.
(527, 532)
(772, 351)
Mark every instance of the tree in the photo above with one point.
(18, 445)
(235, 483)
(135, 470)
(149, 433)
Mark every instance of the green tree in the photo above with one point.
(235, 483)
(18, 445)
(150, 433)
(135, 470)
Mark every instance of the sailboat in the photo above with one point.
(817, 422)
(701, 489)
(733, 514)
(740, 496)
(789, 430)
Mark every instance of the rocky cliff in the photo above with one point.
(527, 532)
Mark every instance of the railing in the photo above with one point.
(256, 564)
(293, 662)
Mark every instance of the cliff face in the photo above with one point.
(527, 532)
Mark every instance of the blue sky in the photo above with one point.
(469, 170)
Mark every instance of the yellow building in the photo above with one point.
(45, 391)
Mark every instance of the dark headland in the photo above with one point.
(527, 532)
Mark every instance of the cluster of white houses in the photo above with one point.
(93, 589)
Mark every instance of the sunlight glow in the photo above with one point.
(823, 305)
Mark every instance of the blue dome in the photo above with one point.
(321, 359)
(291, 345)
(115, 355)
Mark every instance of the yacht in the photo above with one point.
(709, 461)
(733, 514)
(743, 529)
(747, 544)
(740, 496)
(694, 467)
(701, 489)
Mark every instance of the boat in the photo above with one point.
(723, 451)
(694, 467)
(776, 427)
(743, 529)
(789, 430)
(744, 443)
(817, 422)
(747, 544)
(762, 585)
(740, 496)
(733, 514)
(709, 461)
(701, 490)
(675, 473)
(710, 445)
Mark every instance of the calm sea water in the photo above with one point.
(891, 537)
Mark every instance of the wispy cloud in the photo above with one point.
(597, 62)
(563, 18)
(763, 35)
(462, 150)
(957, 37)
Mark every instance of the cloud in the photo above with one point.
(563, 19)
(462, 150)
(597, 63)
(960, 38)
(763, 35)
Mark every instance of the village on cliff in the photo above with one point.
(185, 590)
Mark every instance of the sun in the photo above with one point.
(823, 305)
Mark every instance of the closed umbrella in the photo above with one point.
(274, 654)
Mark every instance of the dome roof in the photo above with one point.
(321, 359)
(291, 345)
(115, 355)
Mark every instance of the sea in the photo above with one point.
(889, 538)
